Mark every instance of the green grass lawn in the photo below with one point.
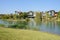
(19, 34)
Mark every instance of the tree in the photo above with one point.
(25, 15)
(38, 16)
(47, 15)
(14, 16)
(59, 14)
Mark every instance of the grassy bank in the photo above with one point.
(58, 19)
(19, 34)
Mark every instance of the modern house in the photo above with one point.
(56, 14)
(51, 12)
(30, 14)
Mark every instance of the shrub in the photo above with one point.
(2, 25)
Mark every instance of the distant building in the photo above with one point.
(30, 14)
(51, 12)
(56, 14)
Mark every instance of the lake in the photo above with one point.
(44, 26)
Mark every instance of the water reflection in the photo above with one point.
(46, 26)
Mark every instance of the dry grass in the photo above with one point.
(19, 34)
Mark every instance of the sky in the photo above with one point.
(9, 6)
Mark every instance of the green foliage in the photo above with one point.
(23, 15)
(21, 25)
(59, 14)
(13, 26)
(37, 15)
(47, 15)
(27, 19)
(2, 25)
(14, 16)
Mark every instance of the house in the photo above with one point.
(56, 14)
(30, 14)
(51, 12)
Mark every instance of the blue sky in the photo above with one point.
(9, 6)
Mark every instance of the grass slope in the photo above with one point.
(19, 34)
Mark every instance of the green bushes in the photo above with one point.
(12, 26)
(27, 19)
(20, 25)
(2, 25)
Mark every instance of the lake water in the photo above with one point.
(44, 26)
